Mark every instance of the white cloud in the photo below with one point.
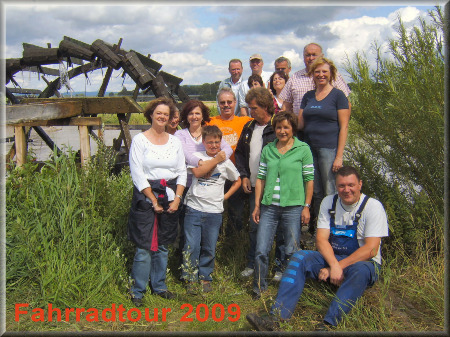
(179, 37)
(408, 14)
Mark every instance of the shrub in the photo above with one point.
(398, 129)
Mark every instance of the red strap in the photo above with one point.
(154, 246)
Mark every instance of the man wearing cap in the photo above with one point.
(256, 65)
(234, 81)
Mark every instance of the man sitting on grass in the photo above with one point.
(349, 231)
(204, 207)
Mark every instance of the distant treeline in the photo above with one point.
(207, 91)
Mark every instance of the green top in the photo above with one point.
(294, 168)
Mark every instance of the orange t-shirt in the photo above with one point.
(231, 129)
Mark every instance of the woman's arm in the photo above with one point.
(149, 194)
(301, 122)
(224, 146)
(309, 187)
(343, 118)
(207, 165)
(173, 206)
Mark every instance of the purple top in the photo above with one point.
(190, 146)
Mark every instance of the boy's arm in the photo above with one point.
(207, 165)
(234, 187)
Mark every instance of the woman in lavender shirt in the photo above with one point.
(194, 116)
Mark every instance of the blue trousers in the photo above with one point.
(151, 265)
(201, 231)
(270, 218)
(324, 177)
(280, 256)
(307, 264)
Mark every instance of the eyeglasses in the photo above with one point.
(213, 142)
(226, 102)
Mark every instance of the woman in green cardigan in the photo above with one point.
(283, 193)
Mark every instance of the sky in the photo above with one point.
(196, 42)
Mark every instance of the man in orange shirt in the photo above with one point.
(231, 127)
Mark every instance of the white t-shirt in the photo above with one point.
(256, 144)
(206, 195)
(373, 221)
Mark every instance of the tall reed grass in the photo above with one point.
(66, 232)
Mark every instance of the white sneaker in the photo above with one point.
(247, 272)
(277, 277)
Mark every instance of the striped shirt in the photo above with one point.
(300, 83)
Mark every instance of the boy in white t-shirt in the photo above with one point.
(204, 207)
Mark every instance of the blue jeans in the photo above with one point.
(324, 177)
(201, 231)
(280, 259)
(270, 218)
(151, 265)
(307, 264)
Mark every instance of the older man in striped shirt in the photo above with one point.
(300, 83)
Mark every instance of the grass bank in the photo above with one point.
(66, 245)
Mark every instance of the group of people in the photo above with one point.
(277, 142)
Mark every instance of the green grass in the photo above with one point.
(66, 245)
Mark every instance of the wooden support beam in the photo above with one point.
(21, 145)
(127, 135)
(85, 146)
(22, 113)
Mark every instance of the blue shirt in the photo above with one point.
(321, 118)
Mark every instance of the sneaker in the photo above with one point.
(191, 288)
(277, 277)
(207, 287)
(262, 323)
(247, 272)
(137, 301)
(322, 326)
(167, 295)
(256, 296)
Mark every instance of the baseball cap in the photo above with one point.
(256, 56)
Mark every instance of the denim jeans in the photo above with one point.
(307, 264)
(201, 230)
(280, 259)
(151, 265)
(324, 177)
(270, 218)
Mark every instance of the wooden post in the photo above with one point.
(21, 145)
(85, 146)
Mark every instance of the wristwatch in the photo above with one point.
(308, 205)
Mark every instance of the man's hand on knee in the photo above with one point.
(336, 275)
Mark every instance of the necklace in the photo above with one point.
(351, 207)
(196, 138)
